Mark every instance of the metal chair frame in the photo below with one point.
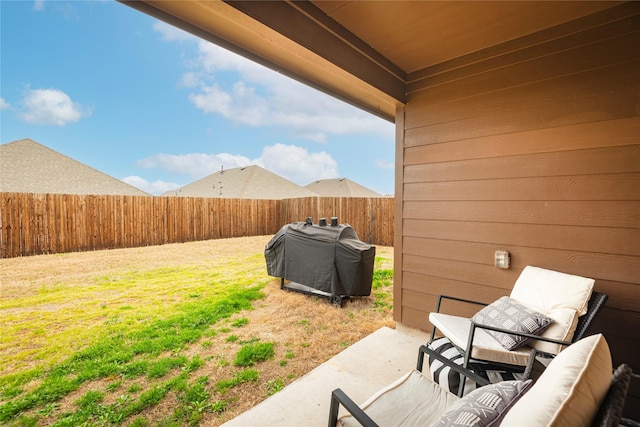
(596, 302)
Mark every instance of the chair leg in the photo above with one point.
(333, 410)
(529, 368)
(420, 363)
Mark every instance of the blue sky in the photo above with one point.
(158, 108)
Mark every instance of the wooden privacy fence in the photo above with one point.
(32, 224)
(372, 218)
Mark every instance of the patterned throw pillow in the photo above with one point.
(484, 406)
(508, 313)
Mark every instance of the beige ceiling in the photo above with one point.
(364, 52)
(418, 34)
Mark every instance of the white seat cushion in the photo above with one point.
(563, 297)
(485, 347)
(412, 400)
(570, 390)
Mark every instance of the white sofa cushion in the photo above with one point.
(570, 390)
(412, 400)
(485, 347)
(561, 296)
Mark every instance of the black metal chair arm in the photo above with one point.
(339, 397)
(520, 334)
(529, 367)
(449, 297)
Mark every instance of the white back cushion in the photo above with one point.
(561, 296)
(570, 390)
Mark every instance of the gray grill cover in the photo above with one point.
(327, 258)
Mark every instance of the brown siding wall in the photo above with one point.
(534, 149)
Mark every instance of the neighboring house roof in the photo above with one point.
(250, 182)
(340, 187)
(29, 167)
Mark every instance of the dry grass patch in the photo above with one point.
(82, 325)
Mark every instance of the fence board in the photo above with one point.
(32, 224)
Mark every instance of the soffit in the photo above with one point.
(418, 34)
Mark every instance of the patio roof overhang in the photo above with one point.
(367, 53)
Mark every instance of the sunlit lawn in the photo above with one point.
(141, 342)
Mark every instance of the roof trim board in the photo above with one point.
(326, 37)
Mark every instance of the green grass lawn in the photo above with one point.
(111, 304)
(138, 323)
(104, 350)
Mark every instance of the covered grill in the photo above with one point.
(320, 259)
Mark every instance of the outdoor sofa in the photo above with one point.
(578, 388)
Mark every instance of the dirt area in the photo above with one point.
(306, 330)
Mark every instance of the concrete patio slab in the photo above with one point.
(360, 370)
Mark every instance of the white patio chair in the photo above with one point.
(545, 312)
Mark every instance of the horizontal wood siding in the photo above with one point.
(32, 224)
(534, 150)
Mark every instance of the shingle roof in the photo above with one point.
(29, 167)
(250, 182)
(340, 187)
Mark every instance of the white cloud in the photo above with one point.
(66, 9)
(212, 58)
(4, 105)
(195, 165)
(294, 163)
(190, 80)
(156, 187)
(262, 97)
(297, 164)
(51, 107)
(241, 105)
(171, 33)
